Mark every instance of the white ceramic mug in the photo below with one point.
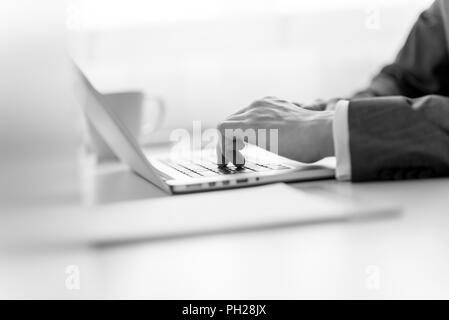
(139, 113)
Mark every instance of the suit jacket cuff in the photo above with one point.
(341, 140)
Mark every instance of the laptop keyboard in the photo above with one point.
(206, 168)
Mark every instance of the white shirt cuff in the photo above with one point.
(341, 140)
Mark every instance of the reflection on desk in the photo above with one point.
(404, 257)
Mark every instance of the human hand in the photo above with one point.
(303, 135)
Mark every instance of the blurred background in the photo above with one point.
(208, 58)
(204, 58)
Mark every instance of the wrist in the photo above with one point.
(328, 149)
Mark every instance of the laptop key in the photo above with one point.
(255, 167)
(226, 171)
(181, 169)
(208, 173)
(208, 165)
(244, 170)
(276, 166)
(193, 166)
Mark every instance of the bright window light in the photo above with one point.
(99, 14)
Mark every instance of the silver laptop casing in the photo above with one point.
(152, 169)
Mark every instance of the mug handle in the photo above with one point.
(151, 123)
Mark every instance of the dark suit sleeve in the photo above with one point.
(394, 138)
(399, 125)
(421, 67)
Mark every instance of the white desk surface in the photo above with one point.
(406, 256)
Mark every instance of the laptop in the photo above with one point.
(197, 171)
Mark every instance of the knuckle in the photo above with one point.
(221, 126)
(258, 103)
